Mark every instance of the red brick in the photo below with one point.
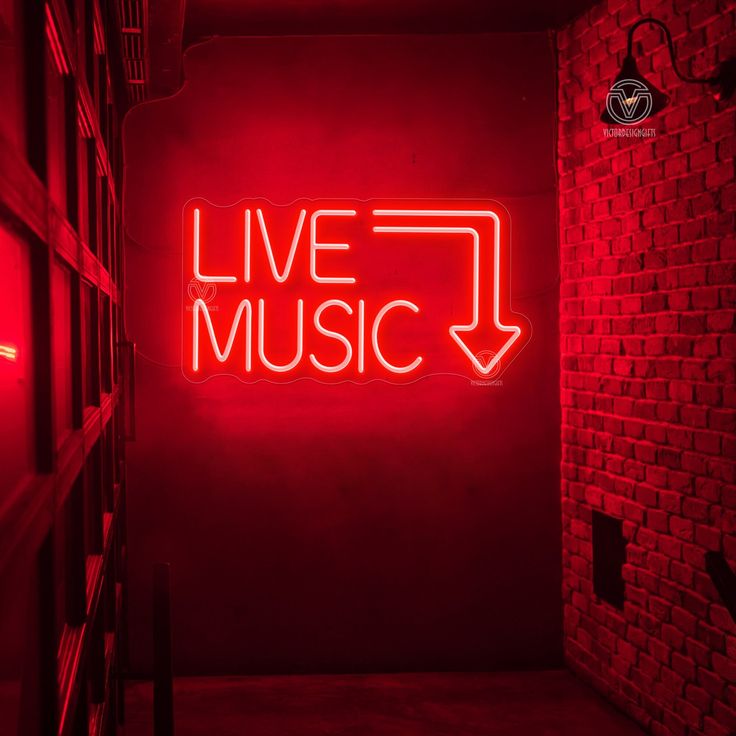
(647, 299)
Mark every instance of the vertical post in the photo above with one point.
(39, 698)
(80, 719)
(71, 128)
(76, 571)
(163, 676)
(34, 69)
(127, 349)
(41, 260)
(121, 574)
(96, 662)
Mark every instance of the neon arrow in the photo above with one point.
(513, 331)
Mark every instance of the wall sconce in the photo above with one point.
(630, 88)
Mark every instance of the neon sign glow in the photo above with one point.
(9, 353)
(341, 290)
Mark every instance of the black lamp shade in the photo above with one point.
(632, 98)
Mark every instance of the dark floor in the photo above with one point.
(551, 703)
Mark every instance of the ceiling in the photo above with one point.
(205, 18)
(176, 24)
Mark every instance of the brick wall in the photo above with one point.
(648, 398)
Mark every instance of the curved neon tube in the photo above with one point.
(513, 330)
(374, 337)
(331, 333)
(299, 339)
(279, 277)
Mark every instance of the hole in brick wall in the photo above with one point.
(609, 556)
(724, 579)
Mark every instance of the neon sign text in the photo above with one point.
(347, 290)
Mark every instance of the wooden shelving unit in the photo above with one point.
(62, 520)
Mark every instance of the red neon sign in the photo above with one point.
(341, 290)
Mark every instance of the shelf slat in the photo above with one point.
(32, 502)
